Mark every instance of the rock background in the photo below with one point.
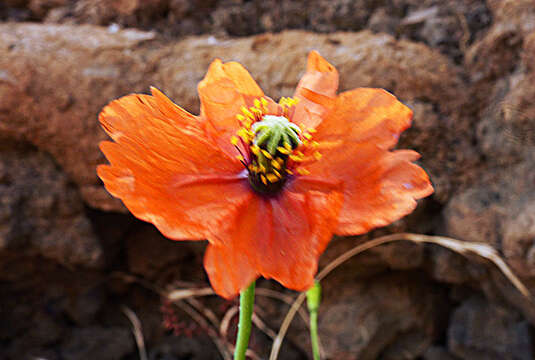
(69, 253)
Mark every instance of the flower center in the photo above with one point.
(274, 140)
(271, 146)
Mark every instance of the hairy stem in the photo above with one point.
(244, 325)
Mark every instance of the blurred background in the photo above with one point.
(72, 258)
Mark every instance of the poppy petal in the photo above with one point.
(380, 186)
(128, 115)
(169, 110)
(228, 269)
(366, 115)
(280, 237)
(225, 89)
(168, 175)
(315, 89)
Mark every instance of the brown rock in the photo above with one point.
(498, 51)
(506, 132)
(154, 257)
(381, 317)
(438, 353)
(486, 331)
(498, 208)
(450, 26)
(494, 211)
(98, 343)
(41, 213)
(39, 8)
(50, 94)
(57, 78)
(519, 236)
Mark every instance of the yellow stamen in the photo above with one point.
(247, 112)
(234, 140)
(266, 154)
(307, 136)
(240, 158)
(275, 164)
(288, 171)
(240, 118)
(255, 149)
(262, 168)
(244, 134)
(272, 178)
(302, 171)
(263, 178)
(296, 158)
(278, 174)
(317, 155)
(287, 146)
(283, 150)
(264, 104)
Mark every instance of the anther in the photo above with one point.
(272, 178)
(255, 150)
(266, 154)
(283, 150)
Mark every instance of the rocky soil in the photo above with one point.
(72, 258)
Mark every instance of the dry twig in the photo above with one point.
(137, 331)
(225, 323)
(261, 325)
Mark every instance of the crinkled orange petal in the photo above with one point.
(380, 186)
(169, 110)
(366, 115)
(276, 237)
(127, 115)
(229, 270)
(223, 91)
(166, 172)
(319, 82)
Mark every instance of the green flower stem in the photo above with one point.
(314, 335)
(313, 303)
(244, 325)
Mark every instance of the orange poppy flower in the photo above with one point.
(266, 183)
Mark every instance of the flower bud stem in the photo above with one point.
(313, 302)
(244, 325)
